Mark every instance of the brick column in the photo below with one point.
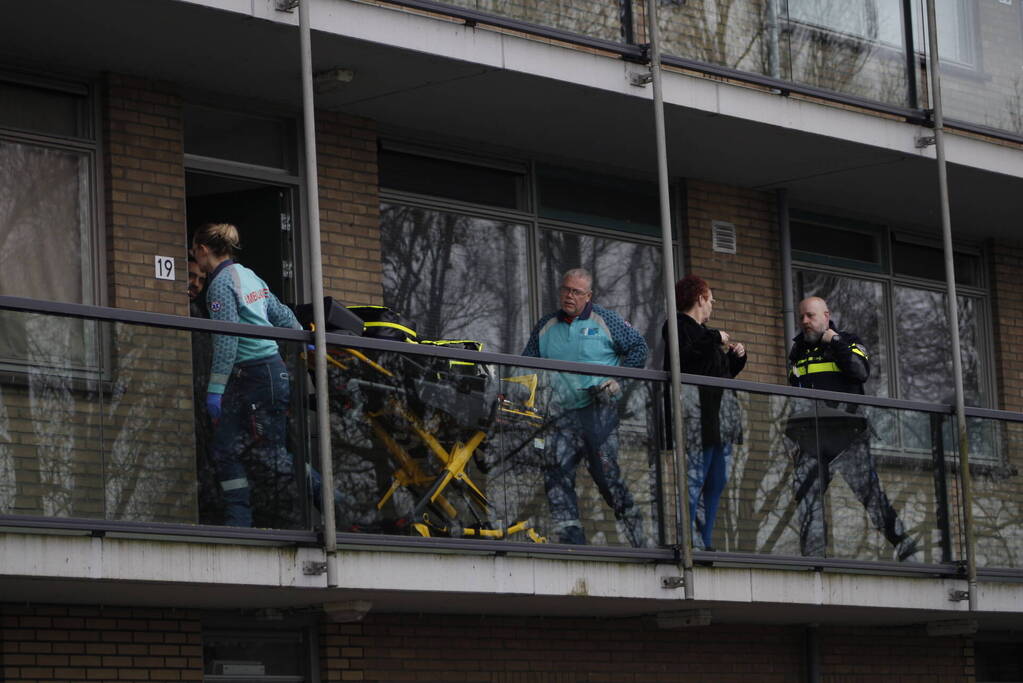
(148, 443)
(349, 208)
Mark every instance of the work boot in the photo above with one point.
(632, 521)
(906, 548)
(571, 534)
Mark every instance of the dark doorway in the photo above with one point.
(262, 212)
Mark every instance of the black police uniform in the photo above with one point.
(842, 437)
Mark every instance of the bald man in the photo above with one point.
(824, 357)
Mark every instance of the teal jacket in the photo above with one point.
(236, 294)
(597, 336)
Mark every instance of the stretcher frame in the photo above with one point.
(433, 513)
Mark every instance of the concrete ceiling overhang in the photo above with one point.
(236, 60)
(309, 600)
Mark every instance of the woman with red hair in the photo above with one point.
(712, 418)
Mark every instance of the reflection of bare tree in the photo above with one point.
(150, 466)
(833, 41)
(723, 32)
(595, 18)
(1014, 106)
(449, 273)
(857, 306)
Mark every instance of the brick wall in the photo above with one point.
(113, 448)
(527, 650)
(756, 511)
(349, 208)
(145, 193)
(74, 644)
(866, 655)
(997, 492)
(148, 426)
(746, 285)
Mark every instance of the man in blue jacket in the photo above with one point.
(587, 421)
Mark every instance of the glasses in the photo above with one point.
(571, 291)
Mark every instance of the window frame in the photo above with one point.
(968, 34)
(889, 280)
(89, 144)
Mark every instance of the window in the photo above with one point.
(892, 294)
(453, 274)
(244, 138)
(47, 225)
(881, 21)
(470, 270)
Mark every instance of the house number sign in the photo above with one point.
(164, 267)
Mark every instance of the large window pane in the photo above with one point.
(981, 49)
(42, 110)
(626, 277)
(456, 276)
(924, 344)
(45, 253)
(853, 47)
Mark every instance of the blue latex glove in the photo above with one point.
(213, 405)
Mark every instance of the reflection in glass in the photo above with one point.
(924, 343)
(123, 447)
(857, 306)
(853, 47)
(431, 447)
(890, 503)
(626, 278)
(593, 18)
(46, 192)
(998, 496)
(456, 276)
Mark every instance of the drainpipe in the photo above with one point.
(953, 309)
(788, 309)
(316, 266)
(683, 531)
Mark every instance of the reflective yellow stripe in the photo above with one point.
(811, 368)
(857, 350)
(410, 332)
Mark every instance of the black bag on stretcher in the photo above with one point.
(337, 318)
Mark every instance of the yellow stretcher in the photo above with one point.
(435, 512)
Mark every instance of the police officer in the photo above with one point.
(824, 357)
(587, 425)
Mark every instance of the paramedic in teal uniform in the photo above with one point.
(250, 388)
(586, 424)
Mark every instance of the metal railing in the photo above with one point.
(115, 451)
(862, 54)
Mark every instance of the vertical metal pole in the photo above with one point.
(316, 265)
(684, 531)
(788, 309)
(909, 39)
(953, 302)
(773, 49)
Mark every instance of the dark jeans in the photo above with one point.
(253, 424)
(591, 433)
(856, 465)
(708, 474)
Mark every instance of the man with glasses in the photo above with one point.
(585, 423)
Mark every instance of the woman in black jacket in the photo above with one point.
(712, 419)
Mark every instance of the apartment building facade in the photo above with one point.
(466, 155)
